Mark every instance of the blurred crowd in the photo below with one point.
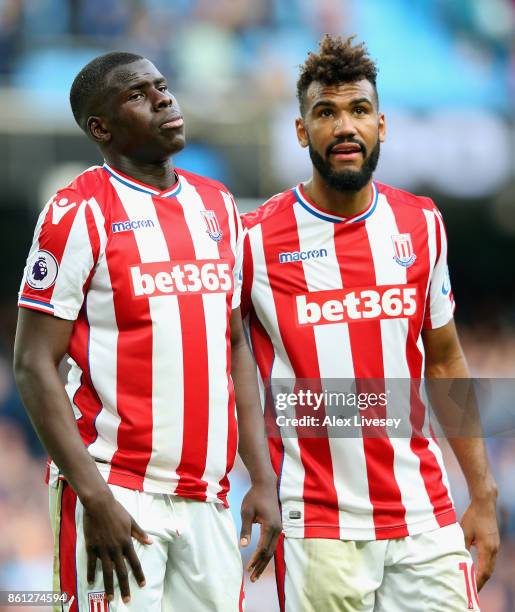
(444, 67)
(249, 47)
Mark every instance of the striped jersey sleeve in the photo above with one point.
(65, 249)
(238, 257)
(440, 303)
(247, 274)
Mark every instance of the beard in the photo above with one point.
(346, 180)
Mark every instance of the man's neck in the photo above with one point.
(345, 203)
(160, 175)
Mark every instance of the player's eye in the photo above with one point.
(136, 95)
(360, 110)
(163, 87)
(326, 112)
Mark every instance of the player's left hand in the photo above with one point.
(479, 524)
(260, 506)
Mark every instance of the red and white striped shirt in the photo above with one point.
(150, 279)
(334, 298)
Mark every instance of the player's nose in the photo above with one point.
(344, 126)
(162, 99)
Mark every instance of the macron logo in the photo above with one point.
(60, 208)
(126, 226)
(301, 255)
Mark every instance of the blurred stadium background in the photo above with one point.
(446, 83)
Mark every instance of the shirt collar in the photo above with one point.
(128, 181)
(325, 215)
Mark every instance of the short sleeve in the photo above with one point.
(238, 262)
(64, 252)
(440, 304)
(248, 274)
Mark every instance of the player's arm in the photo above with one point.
(460, 421)
(41, 342)
(260, 503)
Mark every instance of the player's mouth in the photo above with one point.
(346, 151)
(172, 123)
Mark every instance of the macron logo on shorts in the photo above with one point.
(127, 226)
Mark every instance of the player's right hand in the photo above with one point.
(108, 532)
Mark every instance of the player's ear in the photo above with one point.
(302, 135)
(382, 127)
(97, 128)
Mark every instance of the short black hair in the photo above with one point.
(338, 61)
(89, 84)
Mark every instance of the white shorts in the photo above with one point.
(430, 572)
(193, 564)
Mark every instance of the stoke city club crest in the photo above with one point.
(213, 227)
(403, 250)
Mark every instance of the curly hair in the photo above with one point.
(338, 61)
